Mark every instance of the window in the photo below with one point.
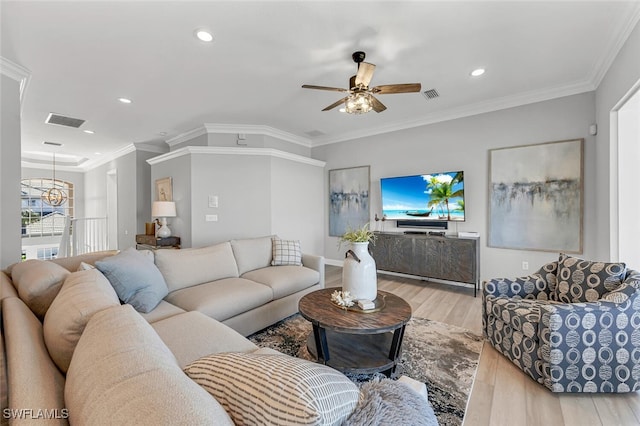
(39, 219)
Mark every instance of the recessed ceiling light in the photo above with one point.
(204, 35)
(97, 153)
(89, 131)
(125, 100)
(477, 72)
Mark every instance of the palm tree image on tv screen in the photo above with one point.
(436, 196)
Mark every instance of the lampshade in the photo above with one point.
(163, 209)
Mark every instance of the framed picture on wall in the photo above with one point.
(348, 199)
(164, 189)
(536, 197)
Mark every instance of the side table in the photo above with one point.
(150, 242)
(353, 341)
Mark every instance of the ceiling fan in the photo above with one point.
(360, 99)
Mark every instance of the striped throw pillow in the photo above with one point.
(260, 389)
(286, 252)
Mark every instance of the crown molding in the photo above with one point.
(92, 164)
(17, 73)
(467, 111)
(250, 129)
(258, 129)
(604, 63)
(217, 150)
(183, 137)
(140, 146)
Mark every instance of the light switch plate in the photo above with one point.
(213, 201)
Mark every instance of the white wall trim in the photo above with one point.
(614, 174)
(604, 63)
(250, 129)
(92, 164)
(183, 137)
(150, 148)
(17, 73)
(217, 150)
(467, 111)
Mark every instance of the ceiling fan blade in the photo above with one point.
(335, 104)
(333, 89)
(396, 88)
(365, 73)
(377, 105)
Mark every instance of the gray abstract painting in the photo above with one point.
(348, 199)
(536, 197)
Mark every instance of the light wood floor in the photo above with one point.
(502, 394)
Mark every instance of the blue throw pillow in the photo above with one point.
(135, 278)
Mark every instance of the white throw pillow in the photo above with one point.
(286, 252)
(259, 388)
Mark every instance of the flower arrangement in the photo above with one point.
(360, 235)
(344, 299)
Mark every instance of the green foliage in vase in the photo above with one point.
(360, 235)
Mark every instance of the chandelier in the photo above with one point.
(54, 196)
(358, 102)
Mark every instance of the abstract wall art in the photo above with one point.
(348, 199)
(536, 197)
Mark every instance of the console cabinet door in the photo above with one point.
(392, 254)
(458, 258)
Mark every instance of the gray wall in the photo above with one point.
(10, 147)
(619, 79)
(134, 193)
(258, 195)
(464, 144)
(179, 169)
(297, 206)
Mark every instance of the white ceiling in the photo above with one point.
(82, 56)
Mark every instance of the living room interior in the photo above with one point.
(229, 119)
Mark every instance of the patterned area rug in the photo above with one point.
(444, 357)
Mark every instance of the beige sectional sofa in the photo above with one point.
(72, 353)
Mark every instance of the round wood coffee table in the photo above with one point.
(353, 341)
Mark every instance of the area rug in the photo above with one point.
(443, 356)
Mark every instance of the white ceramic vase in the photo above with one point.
(359, 272)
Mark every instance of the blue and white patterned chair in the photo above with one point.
(573, 326)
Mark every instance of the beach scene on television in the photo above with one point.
(438, 196)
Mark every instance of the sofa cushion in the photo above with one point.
(252, 253)
(582, 281)
(38, 282)
(222, 299)
(284, 280)
(193, 335)
(276, 389)
(34, 381)
(6, 287)
(135, 278)
(82, 295)
(286, 252)
(73, 263)
(122, 373)
(162, 311)
(188, 267)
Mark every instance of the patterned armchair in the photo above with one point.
(573, 326)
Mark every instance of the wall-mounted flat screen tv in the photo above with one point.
(436, 196)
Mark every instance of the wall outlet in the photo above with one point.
(525, 265)
(211, 218)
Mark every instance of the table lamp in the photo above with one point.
(163, 210)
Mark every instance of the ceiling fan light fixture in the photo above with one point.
(358, 103)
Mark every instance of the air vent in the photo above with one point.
(431, 93)
(51, 143)
(61, 120)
